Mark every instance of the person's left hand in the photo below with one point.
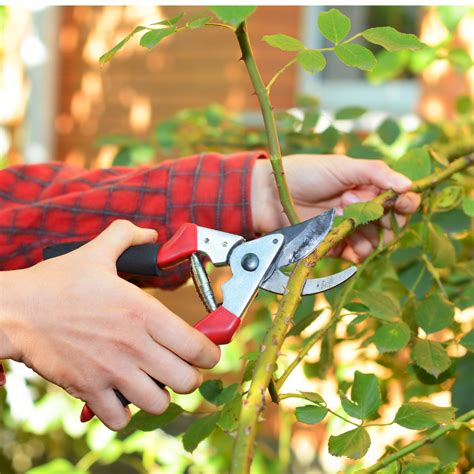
(319, 182)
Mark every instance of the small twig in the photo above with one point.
(277, 75)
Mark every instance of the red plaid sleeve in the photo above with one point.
(50, 203)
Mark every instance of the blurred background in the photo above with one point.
(191, 94)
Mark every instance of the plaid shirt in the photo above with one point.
(50, 203)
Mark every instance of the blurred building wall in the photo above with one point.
(139, 87)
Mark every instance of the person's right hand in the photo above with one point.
(76, 323)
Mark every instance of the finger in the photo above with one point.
(349, 254)
(388, 236)
(168, 368)
(386, 223)
(108, 408)
(354, 196)
(176, 335)
(407, 203)
(118, 237)
(371, 233)
(361, 246)
(375, 172)
(138, 388)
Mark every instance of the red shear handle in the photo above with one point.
(180, 247)
(219, 326)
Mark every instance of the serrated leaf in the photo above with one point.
(150, 39)
(171, 22)
(355, 55)
(365, 395)
(468, 340)
(199, 430)
(143, 421)
(353, 444)
(434, 313)
(105, 58)
(389, 131)
(415, 164)
(448, 198)
(391, 39)
(226, 395)
(312, 60)
(363, 212)
(210, 389)
(334, 25)
(440, 248)
(381, 305)
(198, 23)
(431, 356)
(230, 413)
(391, 337)
(422, 415)
(234, 15)
(284, 42)
(350, 113)
(468, 206)
(420, 464)
(310, 414)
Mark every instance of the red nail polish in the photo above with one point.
(3, 377)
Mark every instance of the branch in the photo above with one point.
(269, 122)
(455, 425)
(254, 404)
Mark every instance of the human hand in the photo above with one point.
(76, 323)
(319, 182)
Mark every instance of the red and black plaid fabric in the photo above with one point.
(50, 203)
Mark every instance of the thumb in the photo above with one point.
(378, 173)
(118, 237)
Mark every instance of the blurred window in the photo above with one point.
(338, 85)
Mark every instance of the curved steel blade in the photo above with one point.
(301, 239)
(278, 282)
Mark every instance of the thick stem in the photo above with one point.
(254, 404)
(417, 444)
(269, 122)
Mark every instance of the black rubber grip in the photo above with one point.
(138, 260)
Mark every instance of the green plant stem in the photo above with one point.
(254, 403)
(284, 441)
(269, 122)
(417, 444)
(278, 73)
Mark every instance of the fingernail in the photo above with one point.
(399, 182)
(351, 198)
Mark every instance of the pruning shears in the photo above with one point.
(254, 264)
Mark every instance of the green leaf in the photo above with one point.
(391, 337)
(350, 113)
(415, 164)
(389, 65)
(451, 16)
(440, 248)
(391, 39)
(389, 131)
(463, 105)
(448, 198)
(310, 414)
(356, 307)
(57, 466)
(468, 206)
(312, 60)
(354, 444)
(229, 416)
(171, 22)
(198, 23)
(234, 15)
(421, 59)
(420, 464)
(381, 305)
(364, 151)
(460, 59)
(468, 340)
(150, 39)
(284, 42)
(143, 421)
(431, 356)
(313, 397)
(333, 25)
(422, 415)
(434, 313)
(210, 389)
(105, 58)
(363, 212)
(365, 395)
(355, 55)
(199, 430)
(330, 137)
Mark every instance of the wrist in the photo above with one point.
(9, 322)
